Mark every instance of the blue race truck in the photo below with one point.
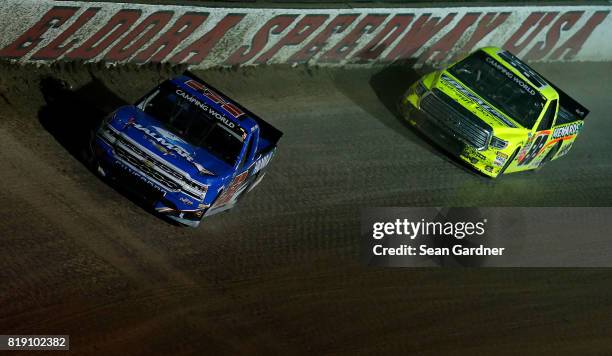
(185, 148)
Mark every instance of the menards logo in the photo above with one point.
(567, 130)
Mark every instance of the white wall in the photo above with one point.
(45, 31)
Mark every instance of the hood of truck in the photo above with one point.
(151, 134)
(463, 95)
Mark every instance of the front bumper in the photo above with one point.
(483, 161)
(173, 205)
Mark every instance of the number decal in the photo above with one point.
(234, 187)
(535, 148)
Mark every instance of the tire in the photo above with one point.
(509, 161)
(88, 155)
(399, 107)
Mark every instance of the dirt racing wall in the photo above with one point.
(46, 31)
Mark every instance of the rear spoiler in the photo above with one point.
(571, 105)
(267, 131)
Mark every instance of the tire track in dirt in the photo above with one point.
(117, 245)
(281, 272)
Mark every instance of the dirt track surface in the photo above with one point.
(281, 273)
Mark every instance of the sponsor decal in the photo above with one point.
(567, 130)
(262, 162)
(524, 150)
(164, 140)
(169, 135)
(212, 113)
(231, 193)
(161, 139)
(162, 149)
(523, 68)
(533, 148)
(205, 37)
(230, 107)
(472, 97)
(471, 152)
(500, 159)
(495, 64)
(186, 201)
(141, 177)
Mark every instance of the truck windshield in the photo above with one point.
(195, 122)
(500, 87)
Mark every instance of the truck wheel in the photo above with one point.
(509, 161)
(549, 156)
(88, 155)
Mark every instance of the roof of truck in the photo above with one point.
(233, 114)
(523, 71)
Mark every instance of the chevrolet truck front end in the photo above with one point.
(172, 192)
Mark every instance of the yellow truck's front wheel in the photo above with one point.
(509, 161)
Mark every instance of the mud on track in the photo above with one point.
(281, 272)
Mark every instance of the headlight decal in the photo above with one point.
(498, 143)
(420, 89)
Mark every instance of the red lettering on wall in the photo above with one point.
(421, 31)
(384, 38)
(54, 18)
(140, 35)
(199, 49)
(182, 28)
(96, 44)
(441, 49)
(297, 35)
(563, 23)
(57, 47)
(489, 22)
(337, 25)
(541, 19)
(340, 51)
(275, 25)
(571, 47)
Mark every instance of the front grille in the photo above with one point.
(148, 164)
(155, 162)
(456, 119)
(136, 185)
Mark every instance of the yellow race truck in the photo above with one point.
(494, 112)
